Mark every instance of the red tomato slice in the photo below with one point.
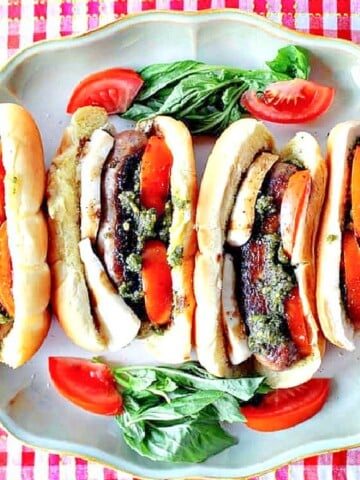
(291, 101)
(157, 283)
(297, 322)
(287, 407)
(293, 207)
(113, 89)
(351, 251)
(155, 174)
(6, 296)
(88, 385)
(355, 191)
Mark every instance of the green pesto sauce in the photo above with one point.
(179, 203)
(295, 161)
(144, 225)
(165, 223)
(5, 319)
(133, 262)
(128, 291)
(265, 205)
(266, 330)
(175, 258)
(331, 238)
(278, 279)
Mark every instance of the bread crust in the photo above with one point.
(24, 184)
(74, 311)
(69, 294)
(231, 156)
(333, 317)
(228, 162)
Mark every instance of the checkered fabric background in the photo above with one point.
(23, 22)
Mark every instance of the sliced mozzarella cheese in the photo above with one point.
(118, 323)
(243, 213)
(97, 150)
(234, 326)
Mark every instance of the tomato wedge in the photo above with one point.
(355, 191)
(6, 296)
(297, 322)
(291, 101)
(351, 252)
(88, 385)
(293, 207)
(113, 89)
(155, 174)
(287, 407)
(157, 283)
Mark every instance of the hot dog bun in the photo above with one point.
(91, 324)
(333, 316)
(24, 184)
(228, 164)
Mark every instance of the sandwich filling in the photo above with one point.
(349, 273)
(7, 308)
(133, 217)
(266, 286)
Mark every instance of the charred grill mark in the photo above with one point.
(251, 269)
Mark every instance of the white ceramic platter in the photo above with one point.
(42, 78)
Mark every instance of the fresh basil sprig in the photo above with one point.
(173, 414)
(206, 97)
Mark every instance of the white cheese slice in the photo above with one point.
(234, 326)
(243, 213)
(96, 152)
(118, 323)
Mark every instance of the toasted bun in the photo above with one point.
(228, 162)
(74, 310)
(332, 314)
(24, 183)
(230, 158)
(70, 296)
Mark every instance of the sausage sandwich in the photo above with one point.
(257, 219)
(122, 239)
(338, 285)
(24, 273)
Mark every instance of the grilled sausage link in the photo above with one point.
(266, 329)
(118, 175)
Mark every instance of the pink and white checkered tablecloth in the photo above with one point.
(23, 22)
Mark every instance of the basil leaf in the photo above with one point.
(135, 380)
(292, 61)
(228, 409)
(241, 388)
(161, 75)
(138, 112)
(191, 92)
(193, 440)
(133, 430)
(184, 406)
(173, 414)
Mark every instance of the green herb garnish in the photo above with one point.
(207, 97)
(173, 414)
